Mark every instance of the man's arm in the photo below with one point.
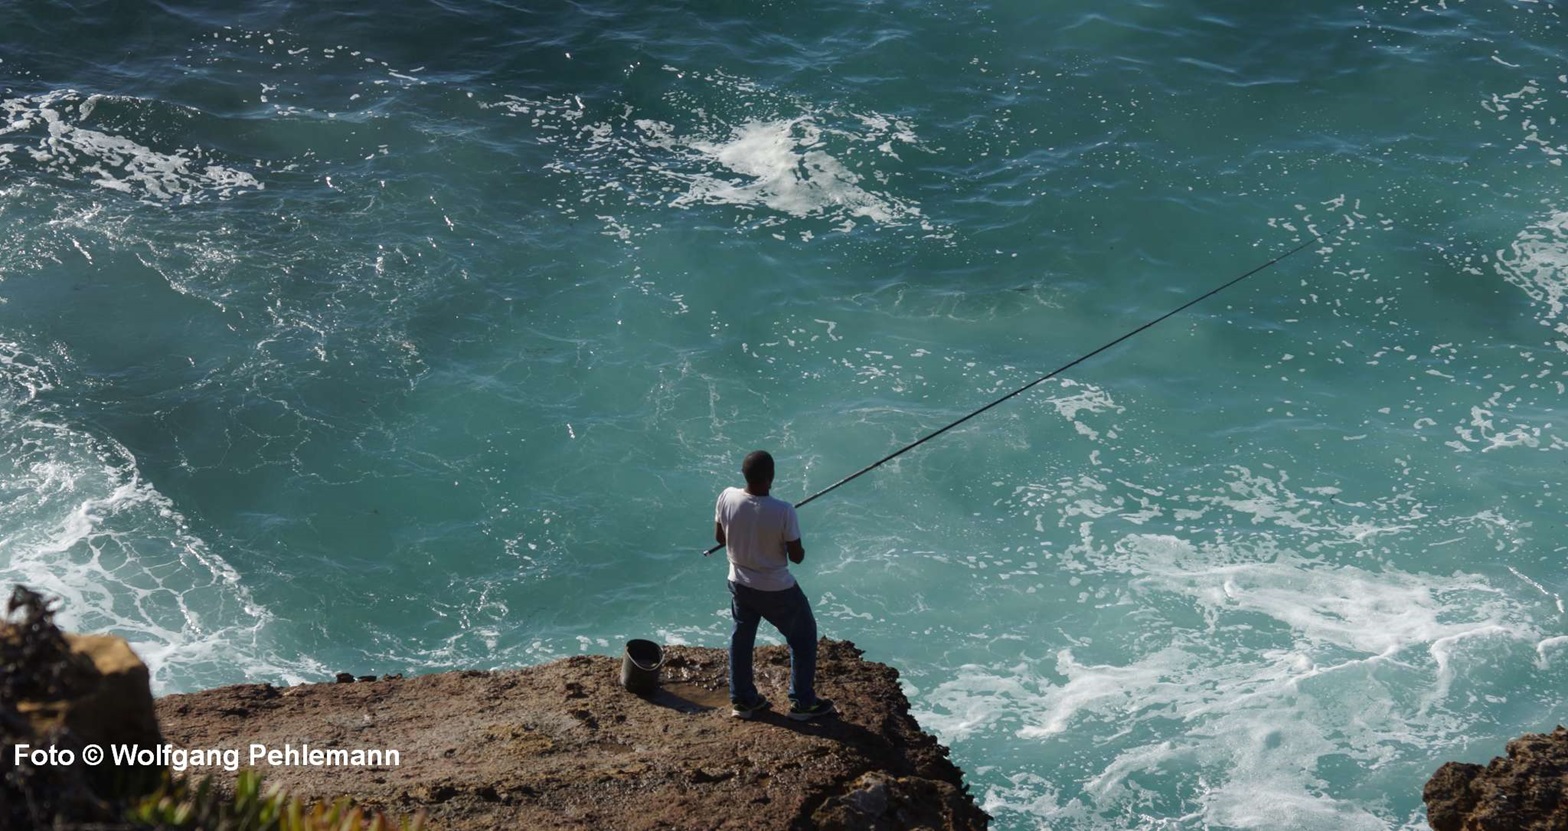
(796, 551)
(718, 533)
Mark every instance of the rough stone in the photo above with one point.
(1523, 791)
(563, 746)
(109, 704)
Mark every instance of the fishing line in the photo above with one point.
(1043, 378)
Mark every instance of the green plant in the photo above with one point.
(178, 805)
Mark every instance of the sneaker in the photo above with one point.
(822, 707)
(746, 711)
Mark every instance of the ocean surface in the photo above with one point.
(409, 336)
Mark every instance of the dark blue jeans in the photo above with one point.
(790, 612)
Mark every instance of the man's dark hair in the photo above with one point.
(757, 467)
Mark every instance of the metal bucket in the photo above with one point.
(640, 666)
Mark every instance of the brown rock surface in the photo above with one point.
(1527, 790)
(109, 702)
(66, 693)
(563, 746)
(107, 698)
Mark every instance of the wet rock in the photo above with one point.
(1523, 791)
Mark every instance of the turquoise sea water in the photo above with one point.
(408, 336)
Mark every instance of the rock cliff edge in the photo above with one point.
(562, 745)
(1527, 790)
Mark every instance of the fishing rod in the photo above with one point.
(1043, 378)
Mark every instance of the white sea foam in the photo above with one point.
(1549, 645)
(49, 132)
(783, 165)
(1530, 105)
(1224, 672)
(1289, 668)
(792, 161)
(1090, 399)
(78, 522)
(22, 377)
(1536, 263)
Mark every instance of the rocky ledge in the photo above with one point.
(562, 745)
(1527, 790)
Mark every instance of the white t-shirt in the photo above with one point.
(755, 530)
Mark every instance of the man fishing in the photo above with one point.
(758, 532)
